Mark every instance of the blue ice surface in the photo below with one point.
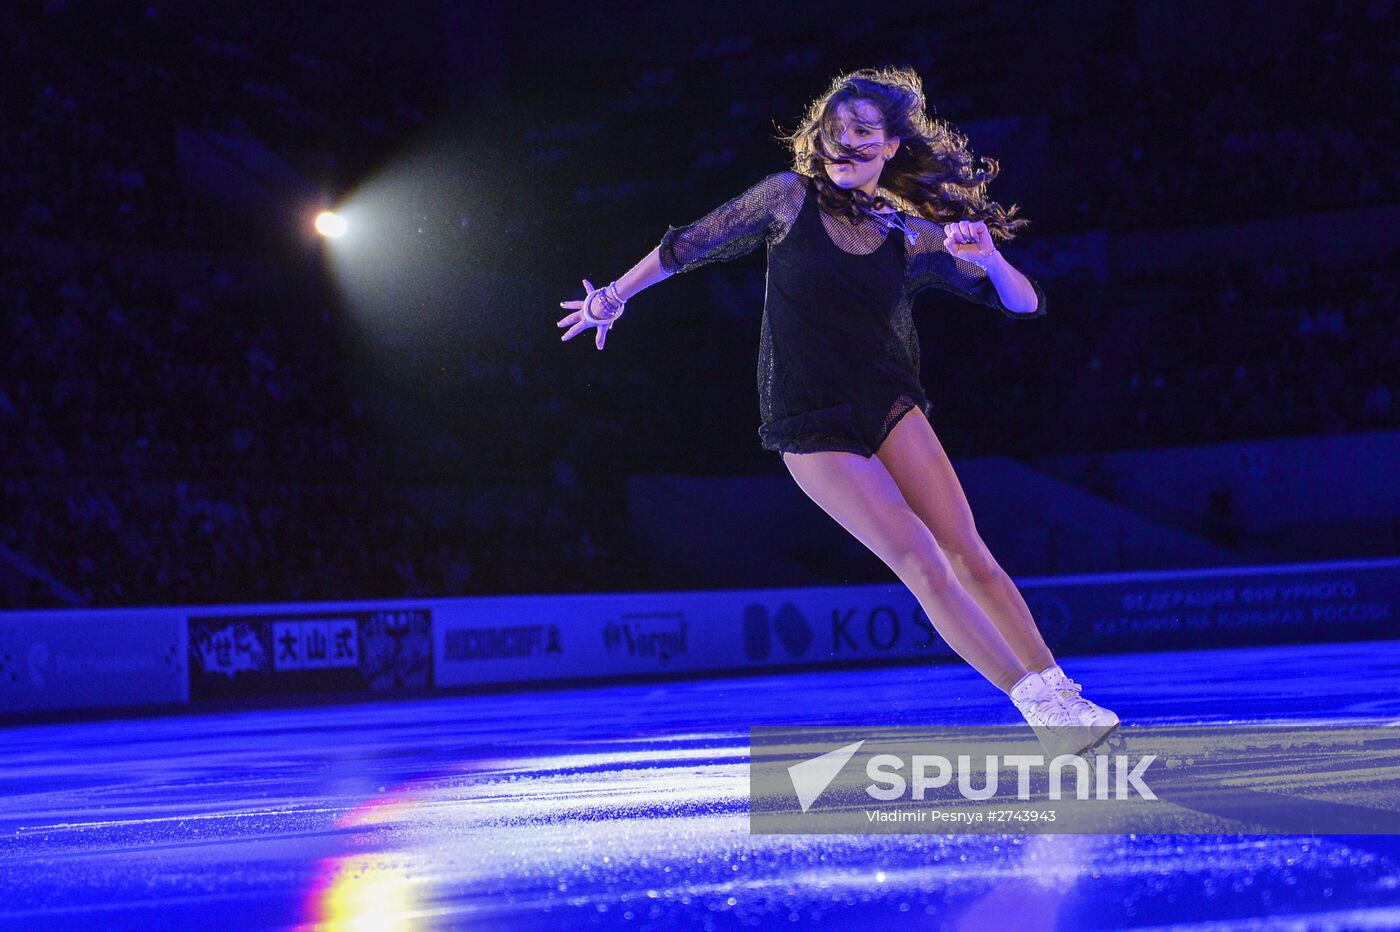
(626, 807)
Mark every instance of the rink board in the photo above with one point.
(52, 660)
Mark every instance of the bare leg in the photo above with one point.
(916, 460)
(862, 497)
(992, 588)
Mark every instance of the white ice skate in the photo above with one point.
(1088, 713)
(1059, 729)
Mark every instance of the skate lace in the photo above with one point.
(1073, 700)
(1051, 711)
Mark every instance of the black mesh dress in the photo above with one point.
(838, 360)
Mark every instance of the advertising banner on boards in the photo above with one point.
(289, 651)
(519, 638)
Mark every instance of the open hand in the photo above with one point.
(577, 322)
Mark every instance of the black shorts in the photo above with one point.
(850, 428)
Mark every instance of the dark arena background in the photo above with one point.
(339, 592)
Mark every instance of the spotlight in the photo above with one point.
(329, 224)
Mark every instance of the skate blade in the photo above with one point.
(1111, 741)
(1083, 741)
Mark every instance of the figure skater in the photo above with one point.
(882, 201)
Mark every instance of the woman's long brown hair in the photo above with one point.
(932, 174)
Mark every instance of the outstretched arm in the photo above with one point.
(643, 275)
(736, 227)
(731, 230)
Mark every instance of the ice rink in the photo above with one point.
(627, 807)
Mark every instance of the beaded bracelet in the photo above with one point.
(613, 305)
(983, 261)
